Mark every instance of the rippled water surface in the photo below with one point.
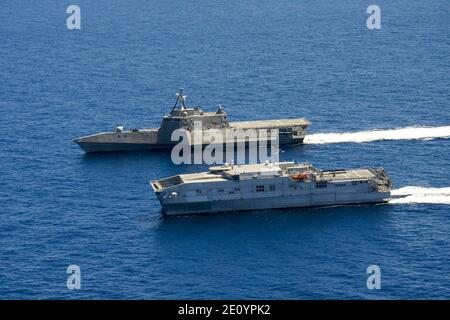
(375, 98)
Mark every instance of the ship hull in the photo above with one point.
(280, 202)
(104, 147)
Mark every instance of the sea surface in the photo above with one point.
(374, 97)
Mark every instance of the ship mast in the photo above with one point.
(181, 100)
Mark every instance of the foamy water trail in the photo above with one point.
(421, 195)
(408, 133)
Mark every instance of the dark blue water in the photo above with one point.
(261, 59)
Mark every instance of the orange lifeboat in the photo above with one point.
(299, 177)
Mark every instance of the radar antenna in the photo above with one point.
(181, 100)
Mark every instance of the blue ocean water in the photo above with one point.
(261, 59)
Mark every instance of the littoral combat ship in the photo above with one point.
(269, 186)
(290, 131)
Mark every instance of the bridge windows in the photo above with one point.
(321, 184)
(260, 188)
(272, 187)
(354, 183)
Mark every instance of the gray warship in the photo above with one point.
(290, 131)
(269, 186)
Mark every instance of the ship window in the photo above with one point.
(259, 188)
(220, 190)
(272, 187)
(321, 184)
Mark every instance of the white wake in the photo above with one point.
(408, 133)
(421, 195)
